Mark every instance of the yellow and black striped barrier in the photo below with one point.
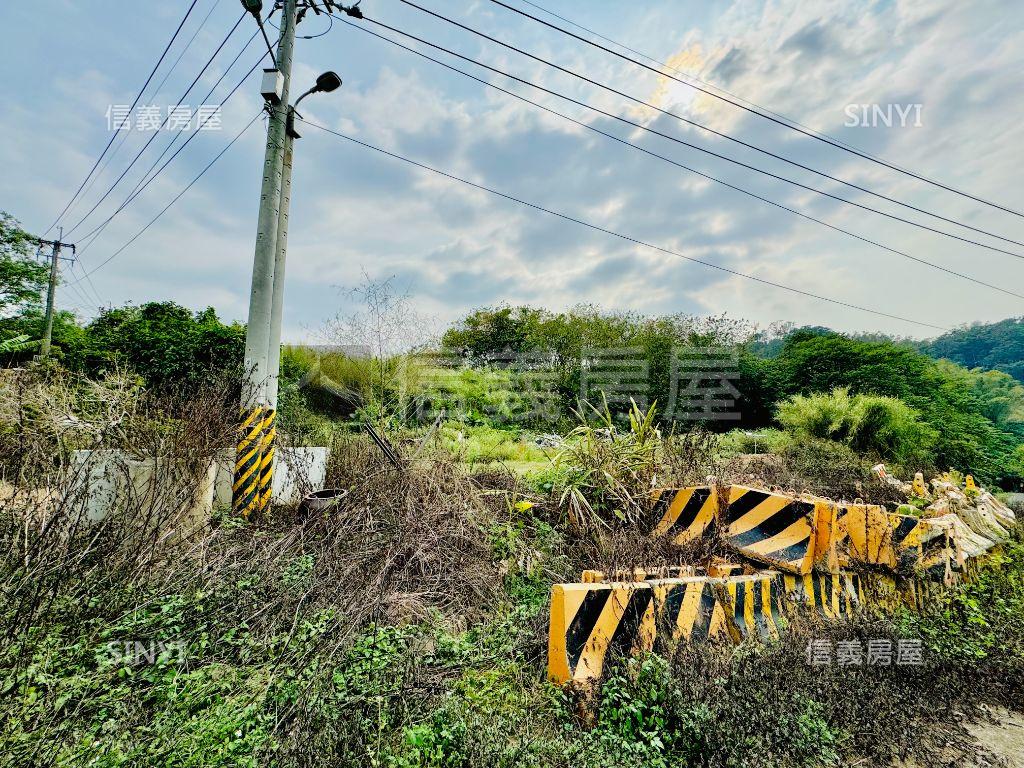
(591, 621)
(865, 535)
(590, 576)
(686, 514)
(690, 609)
(832, 595)
(888, 592)
(783, 532)
(245, 489)
(757, 605)
(870, 535)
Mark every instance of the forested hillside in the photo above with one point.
(997, 346)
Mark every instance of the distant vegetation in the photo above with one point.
(905, 405)
(886, 399)
(996, 346)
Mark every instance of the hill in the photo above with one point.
(994, 346)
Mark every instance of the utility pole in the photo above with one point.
(253, 485)
(277, 312)
(277, 305)
(51, 293)
(258, 418)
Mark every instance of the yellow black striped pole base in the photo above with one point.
(245, 497)
(267, 442)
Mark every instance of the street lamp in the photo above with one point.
(327, 82)
(255, 7)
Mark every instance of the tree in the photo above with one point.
(167, 344)
(22, 279)
(998, 346)
(967, 438)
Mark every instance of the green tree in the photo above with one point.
(968, 439)
(167, 344)
(22, 279)
(998, 346)
(69, 338)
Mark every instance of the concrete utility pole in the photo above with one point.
(325, 83)
(277, 305)
(257, 416)
(51, 294)
(254, 461)
(266, 484)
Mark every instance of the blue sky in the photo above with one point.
(454, 248)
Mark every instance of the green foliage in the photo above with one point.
(758, 441)
(1000, 396)
(644, 717)
(567, 338)
(167, 344)
(654, 713)
(15, 344)
(484, 395)
(814, 362)
(22, 279)
(477, 445)
(69, 340)
(883, 427)
(609, 473)
(343, 385)
(994, 346)
(984, 619)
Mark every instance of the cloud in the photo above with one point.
(456, 247)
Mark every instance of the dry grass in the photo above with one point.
(401, 546)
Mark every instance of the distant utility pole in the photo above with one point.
(51, 293)
(254, 460)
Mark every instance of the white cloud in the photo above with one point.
(458, 247)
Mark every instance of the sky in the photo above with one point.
(953, 69)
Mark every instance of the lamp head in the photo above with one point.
(255, 7)
(327, 82)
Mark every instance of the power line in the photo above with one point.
(79, 292)
(90, 284)
(146, 178)
(666, 159)
(99, 230)
(124, 134)
(776, 120)
(162, 124)
(619, 235)
(754, 147)
(689, 75)
(177, 197)
(124, 137)
(707, 151)
(134, 104)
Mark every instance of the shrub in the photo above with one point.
(879, 426)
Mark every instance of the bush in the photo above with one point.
(171, 347)
(760, 441)
(884, 427)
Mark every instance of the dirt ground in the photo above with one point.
(1003, 740)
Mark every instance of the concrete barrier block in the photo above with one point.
(590, 621)
(686, 514)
